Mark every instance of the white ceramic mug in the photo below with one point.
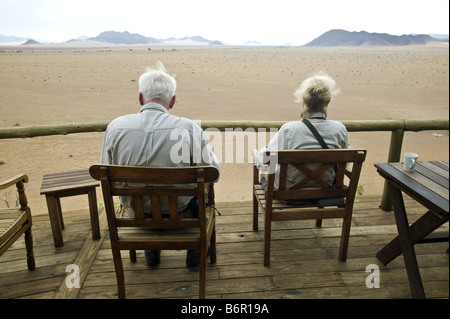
(409, 162)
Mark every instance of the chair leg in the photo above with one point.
(133, 256)
(267, 234)
(318, 223)
(29, 246)
(93, 211)
(202, 279)
(255, 212)
(212, 247)
(345, 236)
(119, 273)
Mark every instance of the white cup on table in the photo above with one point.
(409, 162)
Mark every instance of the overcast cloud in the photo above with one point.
(232, 21)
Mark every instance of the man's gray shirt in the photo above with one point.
(153, 137)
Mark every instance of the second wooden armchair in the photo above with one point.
(270, 199)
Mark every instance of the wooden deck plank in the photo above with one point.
(304, 261)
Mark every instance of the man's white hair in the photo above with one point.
(156, 84)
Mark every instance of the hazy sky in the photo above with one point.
(232, 21)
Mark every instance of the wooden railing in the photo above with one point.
(396, 127)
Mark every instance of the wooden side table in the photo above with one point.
(428, 185)
(64, 184)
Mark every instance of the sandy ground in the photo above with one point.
(42, 85)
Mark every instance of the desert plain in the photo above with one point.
(45, 85)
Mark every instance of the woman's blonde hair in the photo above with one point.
(315, 92)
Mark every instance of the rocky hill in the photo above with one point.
(134, 38)
(30, 42)
(123, 38)
(347, 38)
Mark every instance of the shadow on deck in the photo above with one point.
(304, 261)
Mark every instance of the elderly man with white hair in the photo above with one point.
(154, 137)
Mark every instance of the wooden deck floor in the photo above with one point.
(304, 261)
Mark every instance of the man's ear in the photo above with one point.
(172, 102)
(141, 99)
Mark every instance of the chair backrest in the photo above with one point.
(312, 163)
(155, 183)
(19, 180)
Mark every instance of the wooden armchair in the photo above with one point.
(159, 232)
(16, 221)
(270, 199)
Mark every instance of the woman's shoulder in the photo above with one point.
(291, 124)
(335, 123)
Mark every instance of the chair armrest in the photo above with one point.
(14, 180)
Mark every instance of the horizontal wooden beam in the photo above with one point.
(223, 126)
(57, 129)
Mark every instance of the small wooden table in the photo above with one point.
(428, 185)
(64, 184)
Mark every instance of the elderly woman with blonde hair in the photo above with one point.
(315, 94)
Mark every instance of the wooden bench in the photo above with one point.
(64, 184)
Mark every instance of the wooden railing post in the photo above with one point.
(395, 151)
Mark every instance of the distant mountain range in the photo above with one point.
(134, 38)
(328, 39)
(345, 38)
(123, 38)
(120, 38)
